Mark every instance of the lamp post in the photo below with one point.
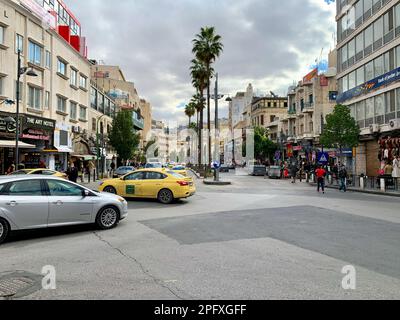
(98, 146)
(20, 71)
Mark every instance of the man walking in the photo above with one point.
(320, 173)
(342, 177)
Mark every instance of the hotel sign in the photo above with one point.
(373, 84)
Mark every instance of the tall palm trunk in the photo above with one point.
(209, 118)
(200, 137)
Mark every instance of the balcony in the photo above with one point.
(273, 124)
(138, 121)
(308, 108)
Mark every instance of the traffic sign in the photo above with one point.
(216, 165)
(323, 157)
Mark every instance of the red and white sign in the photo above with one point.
(47, 18)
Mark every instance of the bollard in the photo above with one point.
(383, 187)
(362, 183)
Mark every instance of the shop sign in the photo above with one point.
(41, 123)
(7, 126)
(35, 135)
(289, 150)
(373, 84)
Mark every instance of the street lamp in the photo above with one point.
(20, 72)
(98, 147)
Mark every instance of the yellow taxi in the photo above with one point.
(45, 172)
(162, 184)
(181, 170)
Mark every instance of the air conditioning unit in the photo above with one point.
(374, 128)
(394, 124)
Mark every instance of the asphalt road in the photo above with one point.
(255, 239)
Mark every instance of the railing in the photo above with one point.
(367, 183)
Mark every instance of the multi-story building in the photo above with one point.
(160, 133)
(368, 76)
(267, 111)
(309, 102)
(238, 105)
(53, 104)
(146, 114)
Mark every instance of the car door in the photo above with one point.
(132, 186)
(67, 205)
(152, 184)
(25, 203)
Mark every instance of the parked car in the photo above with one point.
(162, 184)
(274, 172)
(37, 201)
(121, 171)
(45, 172)
(255, 169)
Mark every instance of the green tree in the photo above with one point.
(123, 137)
(190, 111)
(207, 47)
(264, 148)
(341, 129)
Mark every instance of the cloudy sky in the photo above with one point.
(268, 43)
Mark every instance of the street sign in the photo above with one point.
(323, 157)
(216, 165)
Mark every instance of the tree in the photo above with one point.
(190, 111)
(264, 148)
(207, 47)
(123, 138)
(341, 129)
(199, 80)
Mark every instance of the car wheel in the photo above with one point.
(110, 189)
(165, 196)
(4, 230)
(107, 218)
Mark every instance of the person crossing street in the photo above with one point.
(320, 173)
(342, 177)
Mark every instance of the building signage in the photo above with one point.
(289, 150)
(47, 17)
(323, 81)
(41, 123)
(35, 135)
(308, 78)
(101, 74)
(118, 94)
(6, 125)
(373, 84)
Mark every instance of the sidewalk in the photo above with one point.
(390, 193)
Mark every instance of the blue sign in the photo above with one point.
(373, 84)
(216, 165)
(277, 155)
(323, 157)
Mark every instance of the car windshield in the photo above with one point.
(20, 172)
(178, 168)
(176, 175)
(153, 165)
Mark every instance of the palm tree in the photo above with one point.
(199, 80)
(190, 111)
(207, 47)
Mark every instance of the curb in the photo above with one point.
(217, 183)
(379, 193)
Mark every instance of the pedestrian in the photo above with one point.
(293, 171)
(396, 170)
(11, 169)
(112, 169)
(72, 173)
(388, 169)
(342, 177)
(320, 173)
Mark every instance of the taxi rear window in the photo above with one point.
(176, 175)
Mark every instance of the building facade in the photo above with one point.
(53, 104)
(368, 77)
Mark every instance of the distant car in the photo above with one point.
(121, 171)
(153, 165)
(255, 169)
(37, 201)
(162, 184)
(181, 170)
(45, 172)
(274, 172)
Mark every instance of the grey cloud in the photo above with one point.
(151, 41)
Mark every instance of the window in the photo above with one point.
(2, 33)
(19, 43)
(345, 83)
(74, 78)
(378, 29)
(360, 79)
(388, 22)
(48, 59)
(61, 104)
(368, 39)
(35, 53)
(63, 189)
(390, 102)
(344, 54)
(82, 113)
(73, 110)
(369, 108)
(93, 98)
(94, 124)
(397, 56)
(63, 138)
(359, 13)
(352, 49)
(369, 71)
(26, 188)
(367, 7)
(1, 85)
(352, 80)
(61, 67)
(397, 16)
(359, 44)
(378, 67)
(34, 98)
(388, 59)
(47, 101)
(83, 82)
(380, 105)
(155, 176)
(136, 176)
(360, 111)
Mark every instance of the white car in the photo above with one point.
(37, 201)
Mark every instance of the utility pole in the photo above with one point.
(216, 142)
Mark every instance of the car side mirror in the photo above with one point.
(85, 193)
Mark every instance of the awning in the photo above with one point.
(64, 149)
(85, 156)
(11, 144)
(111, 156)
